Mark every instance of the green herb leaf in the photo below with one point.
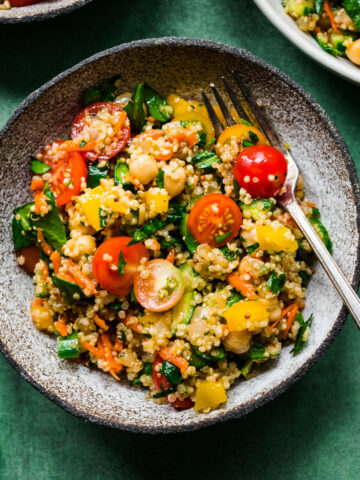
(205, 159)
(276, 282)
(82, 144)
(300, 335)
(246, 368)
(158, 107)
(160, 179)
(171, 372)
(229, 254)
(352, 8)
(305, 277)
(210, 142)
(103, 218)
(95, 174)
(246, 143)
(236, 188)
(132, 294)
(223, 237)
(252, 248)
(147, 230)
(121, 263)
(39, 167)
(234, 297)
(202, 140)
(51, 223)
(166, 392)
(69, 289)
(315, 212)
(68, 347)
(201, 359)
(147, 369)
(183, 124)
(22, 225)
(253, 137)
(104, 92)
(188, 239)
(245, 122)
(135, 108)
(319, 5)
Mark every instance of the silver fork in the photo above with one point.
(287, 199)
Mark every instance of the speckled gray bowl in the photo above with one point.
(183, 66)
(40, 11)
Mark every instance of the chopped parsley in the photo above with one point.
(252, 248)
(253, 137)
(300, 335)
(82, 143)
(257, 351)
(276, 282)
(171, 372)
(121, 263)
(234, 297)
(246, 143)
(223, 237)
(160, 179)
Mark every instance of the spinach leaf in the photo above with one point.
(121, 173)
(104, 92)
(135, 108)
(352, 8)
(147, 230)
(165, 392)
(39, 167)
(158, 107)
(95, 174)
(202, 140)
(319, 5)
(305, 277)
(160, 179)
(205, 159)
(234, 297)
(69, 289)
(201, 359)
(171, 372)
(300, 335)
(229, 254)
(21, 222)
(51, 223)
(121, 263)
(253, 137)
(276, 282)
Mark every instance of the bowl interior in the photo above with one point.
(341, 66)
(182, 66)
(40, 11)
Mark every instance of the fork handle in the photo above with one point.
(343, 287)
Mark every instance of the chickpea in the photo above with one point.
(353, 52)
(174, 180)
(144, 168)
(238, 342)
(77, 247)
(273, 307)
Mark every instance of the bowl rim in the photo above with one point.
(43, 15)
(348, 71)
(237, 411)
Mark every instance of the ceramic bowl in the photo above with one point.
(40, 11)
(183, 66)
(341, 66)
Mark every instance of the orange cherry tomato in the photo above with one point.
(162, 288)
(90, 123)
(68, 170)
(106, 258)
(215, 219)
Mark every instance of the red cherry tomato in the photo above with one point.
(261, 170)
(162, 383)
(110, 279)
(215, 219)
(90, 122)
(68, 169)
(23, 3)
(162, 288)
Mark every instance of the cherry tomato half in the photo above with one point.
(162, 383)
(110, 279)
(162, 288)
(90, 122)
(261, 170)
(67, 171)
(23, 3)
(215, 219)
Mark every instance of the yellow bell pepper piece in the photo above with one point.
(158, 201)
(246, 314)
(276, 239)
(209, 394)
(116, 206)
(191, 111)
(90, 203)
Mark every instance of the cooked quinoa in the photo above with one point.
(153, 260)
(335, 24)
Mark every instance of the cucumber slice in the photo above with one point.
(184, 309)
(322, 232)
(68, 347)
(189, 275)
(258, 207)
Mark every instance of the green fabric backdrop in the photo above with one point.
(311, 431)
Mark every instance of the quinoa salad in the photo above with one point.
(335, 24)
(159, 253)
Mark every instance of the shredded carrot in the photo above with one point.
(154, 134)
(136, 326)
(97, 352)
(37, 184)
(242, 286)
(100, 323)
(74, 146)
(118, 345)
(43, 244)
(66, 277)
(119, 124)
(171, 256)
(291, 314)
(36, 302)
(224, 328)
(150, 119)
(80, 278)
(114, 367)
(40, 201)
(55, 259)
(176, 360)
(311, 204)
(329, 13)
(164, 155)
(60, 326)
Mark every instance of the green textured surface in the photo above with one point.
(310, 432)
